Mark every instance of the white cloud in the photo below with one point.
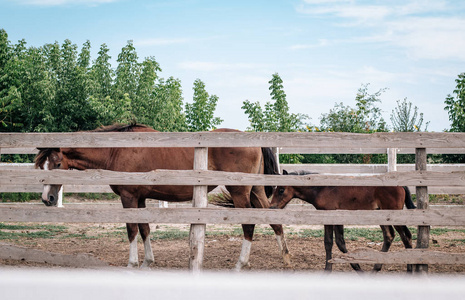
(431, 38)
(424, 29)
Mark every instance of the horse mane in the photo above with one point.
(41, 157)
(120, 128)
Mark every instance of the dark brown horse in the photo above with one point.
(246, 160)
(349, 198)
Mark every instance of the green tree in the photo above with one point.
(365, 117)
(101, 85)
(405, 120)
(36, 90)
(142, 105)
(275, 117)
(101, 74)
(200, 113)
(167, 106)
(71, 108)
(127, 73)
(10, 98)
(455, 105)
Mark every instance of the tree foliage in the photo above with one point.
(405, 120)
(58, 87)
(275, 117)
(200, 113)
(455, 105)
(365, 117)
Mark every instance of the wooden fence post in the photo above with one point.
(197, 231)
(60, 197)
(422, 203)
(392, 159)
(275, 151)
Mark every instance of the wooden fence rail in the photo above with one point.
(200, 178)
(331, 140)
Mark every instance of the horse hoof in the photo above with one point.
(133, 265)
(146, 265)
(287, 260)
(240, 266)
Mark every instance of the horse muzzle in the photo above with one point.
(51, 201)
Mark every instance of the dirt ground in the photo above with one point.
(108, 242)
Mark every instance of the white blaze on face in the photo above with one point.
(47, 187)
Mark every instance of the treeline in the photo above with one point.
(56, 88)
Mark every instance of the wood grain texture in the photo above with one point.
(236, 139)
(436, 217)
(202, 177)
(410, 256)
(200, 200)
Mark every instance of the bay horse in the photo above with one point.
(246, 160)
(349, 198)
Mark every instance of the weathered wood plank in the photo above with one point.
(422, 203)
(199, 177)
(303, 150)
(32, 255)
(321, 168)
(368, 168)
(200, 200)
(410, 256)
(236, 139)
(436, 217)
(38, 188)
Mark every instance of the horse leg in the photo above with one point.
(328, 247)
(341, 244)
(129, 201)
(388, 237)
(243, 260)
(406, 237)
(241, 199)
(258, 199)
(144, 229)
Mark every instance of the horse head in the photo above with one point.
(282, 195)
(50, 159)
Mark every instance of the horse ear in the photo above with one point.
(285, 172)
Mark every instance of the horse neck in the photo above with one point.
(88, 158)
(308, 193)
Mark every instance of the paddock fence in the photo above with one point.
(424, 177)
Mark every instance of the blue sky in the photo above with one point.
(323, 50)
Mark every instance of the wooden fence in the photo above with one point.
(422, 178)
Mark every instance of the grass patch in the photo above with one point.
(81, 236)
(169, 234)
(15, 232)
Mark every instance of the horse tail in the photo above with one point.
(408, 199)
(271, 167)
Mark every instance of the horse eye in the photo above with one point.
(58, 165)
(281, 191)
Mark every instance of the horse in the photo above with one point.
(246, 160)
(349, 198)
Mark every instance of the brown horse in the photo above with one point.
(246, 160)
(349, 198)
